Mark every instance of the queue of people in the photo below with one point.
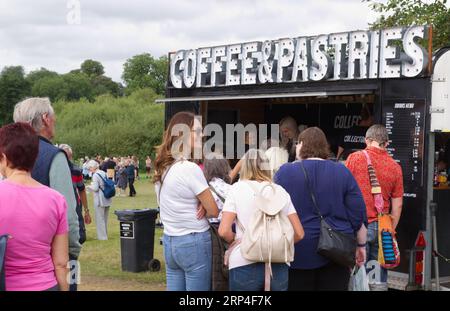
(271, 218)
(310, 190)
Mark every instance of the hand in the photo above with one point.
(201, 212)
(360, 256)
(87, 218)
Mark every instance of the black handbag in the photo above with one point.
(334, 245)
(3, 240)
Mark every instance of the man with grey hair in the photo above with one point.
(52, 167)
(390, 179)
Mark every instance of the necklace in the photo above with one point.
(18, 173)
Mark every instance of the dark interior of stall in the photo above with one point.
(333, 114)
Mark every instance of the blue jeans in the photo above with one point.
(188, 261)
(251, 277)
(372, 250)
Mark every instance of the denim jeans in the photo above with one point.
(188, 261)
(372, 251)
(251, 277)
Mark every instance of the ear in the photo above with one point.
(45, 119)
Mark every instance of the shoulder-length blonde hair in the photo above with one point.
(164, 157)
(255, 166)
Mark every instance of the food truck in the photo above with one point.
(324, 81)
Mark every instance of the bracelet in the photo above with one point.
(362, 245)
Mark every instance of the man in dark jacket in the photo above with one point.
(131, 173)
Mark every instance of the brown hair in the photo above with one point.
(315, 144)
(164, 157)
(217, 166)
(20, 144)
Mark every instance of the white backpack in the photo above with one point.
(269, 236)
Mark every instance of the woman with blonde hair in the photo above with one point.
(254, 176)
(181, 188)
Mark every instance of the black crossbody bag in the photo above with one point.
(334, 245)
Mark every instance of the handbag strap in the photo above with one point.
(313, 197)
(221, 198)
(374, 183)
(104, 181)
(3, 240)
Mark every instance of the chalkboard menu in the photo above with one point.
(405, 122)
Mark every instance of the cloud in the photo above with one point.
(36, 33)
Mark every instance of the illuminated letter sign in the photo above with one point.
(388, 53)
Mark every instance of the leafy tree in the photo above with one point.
(414, 12)
(78, 85)
(51, 86)
(105, 85)
(92, 68)
(13, 88)
(144, 71)
(39, 74)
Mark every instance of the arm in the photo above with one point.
(299, 233)
(236, 170)
(87, 216)
(60, 258)
(397, 205)
(355, 206)
(339, 153)
(225, 228)
(361, 239)
(61, 181)
(84, 201)
(209, 204)
(397, 198)
(95, 185)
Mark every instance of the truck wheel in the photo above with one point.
(154, 265)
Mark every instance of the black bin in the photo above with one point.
(137, 236)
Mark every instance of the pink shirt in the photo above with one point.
(32, 216)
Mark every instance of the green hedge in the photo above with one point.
(111, 126)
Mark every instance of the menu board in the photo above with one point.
(405, 122)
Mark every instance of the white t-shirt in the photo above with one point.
(222, 188)
(178, 200)
(240, 201)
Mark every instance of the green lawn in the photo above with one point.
(100, 260)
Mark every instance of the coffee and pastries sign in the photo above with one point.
(388, 53)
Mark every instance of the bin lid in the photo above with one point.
(133, 214)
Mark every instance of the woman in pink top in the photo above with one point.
(34, 216)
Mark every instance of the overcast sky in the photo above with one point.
(50, 34)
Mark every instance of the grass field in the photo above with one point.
(100, 260)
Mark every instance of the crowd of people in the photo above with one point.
(294, 188)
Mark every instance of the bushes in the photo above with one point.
(111, 126)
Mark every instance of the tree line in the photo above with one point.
(87, 82)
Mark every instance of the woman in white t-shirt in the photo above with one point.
(247, 275)
(184, 199)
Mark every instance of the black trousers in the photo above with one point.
(131, 185)
(331, 277)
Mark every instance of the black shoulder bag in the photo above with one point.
(334, 245)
